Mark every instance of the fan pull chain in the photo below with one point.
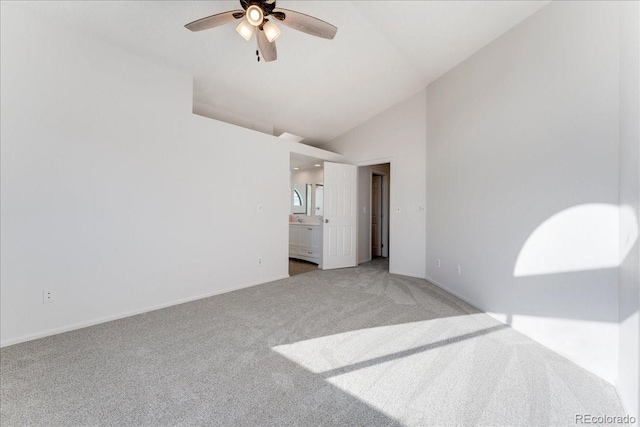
(258, 54)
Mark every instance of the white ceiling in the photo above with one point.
(301, 161)
(384, 52)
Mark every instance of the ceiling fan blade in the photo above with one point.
(305, 23)
(267, 48)
(215, 20)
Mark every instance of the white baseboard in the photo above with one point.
(457, 295)
(93, 322)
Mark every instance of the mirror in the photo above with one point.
(300, 195)
(306, 190)
(302, 201)
(319, 200)
(307, 209)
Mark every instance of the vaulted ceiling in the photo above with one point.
(384, 52)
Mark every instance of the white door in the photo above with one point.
(339, 231)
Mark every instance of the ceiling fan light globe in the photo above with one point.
(255, 15)
(245, 30)
(272, 31)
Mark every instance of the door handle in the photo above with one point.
(326, 221)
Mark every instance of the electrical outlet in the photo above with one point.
(47, 296)
(397, 210)
(260, 208)
(259, 261)
(438, 263)
(421, 208)
(459, 269)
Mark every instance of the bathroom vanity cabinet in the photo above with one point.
(305, 242)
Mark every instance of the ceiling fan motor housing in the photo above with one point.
(267, 6)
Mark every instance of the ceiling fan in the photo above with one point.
(256, 13)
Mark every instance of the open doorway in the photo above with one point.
(305, 213)
(323, 216)
(380, 210)
(374, 201)
(377, 216)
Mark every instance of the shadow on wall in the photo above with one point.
(579, 240)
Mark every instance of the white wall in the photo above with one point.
(398, 136)
(629, 281)
(114, 195)
(232, 118)
(519, 134)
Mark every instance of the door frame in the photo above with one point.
(388, 183)
(373, 209)
(386, 212)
